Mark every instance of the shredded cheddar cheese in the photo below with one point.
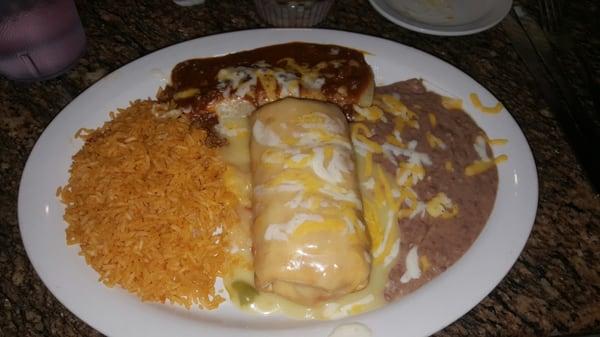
(395, 140)
(371, 113)
(434, 142)
(499, 141)
(186, 93)
(409, 174)
(394, 106)
(451, 103)
(317, 226)
(485, 109)
(368, 164)
(362, 139)
(269, 84)
(424, 263)
(481, 166)
(357, 127)
(441, 206)
(432, 119)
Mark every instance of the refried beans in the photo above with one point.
(441, 241)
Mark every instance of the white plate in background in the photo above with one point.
(444, 17)
(117, 313)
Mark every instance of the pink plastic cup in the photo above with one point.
(39, 39)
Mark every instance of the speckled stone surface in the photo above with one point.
(554, 287)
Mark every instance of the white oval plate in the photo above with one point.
(444, 17)
(117, 313)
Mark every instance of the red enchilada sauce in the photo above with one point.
(339, 75)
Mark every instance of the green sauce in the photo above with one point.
(244, 292)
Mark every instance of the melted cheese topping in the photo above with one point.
(234, 126)
(283, 231)
(265, 136)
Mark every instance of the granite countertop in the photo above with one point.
(554, 287)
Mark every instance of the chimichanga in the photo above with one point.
(309, 238)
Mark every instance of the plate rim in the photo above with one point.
(22, 214)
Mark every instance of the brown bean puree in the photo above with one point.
(441, 242)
